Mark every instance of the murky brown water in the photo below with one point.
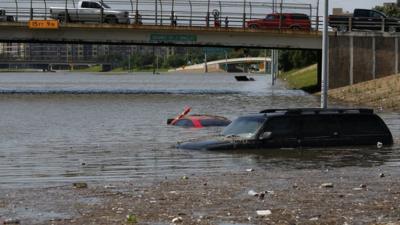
(65, 127)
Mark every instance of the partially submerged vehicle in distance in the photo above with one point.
(198, 121)
(293, 128)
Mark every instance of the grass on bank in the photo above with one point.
(304, 79)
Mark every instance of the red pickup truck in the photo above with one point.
(293, 21)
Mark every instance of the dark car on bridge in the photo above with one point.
(293, 128)
(274, 21)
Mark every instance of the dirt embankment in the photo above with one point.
(383, 93)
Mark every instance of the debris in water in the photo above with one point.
(379, 145)
(131, 219)
(11, 221)
(185, 178)
(250, 170)
(252, 193)
(327, 185)
(80, 185)
(177, 219)
(381, 175)
(264, 212)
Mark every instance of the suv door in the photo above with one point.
(283, 132)
(319, 131)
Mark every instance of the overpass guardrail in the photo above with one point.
(191, 13)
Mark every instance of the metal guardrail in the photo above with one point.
(202, 13)
(378, 24)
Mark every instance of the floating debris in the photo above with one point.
(177, 220)
(327, 185)
(80, 185)
(263, 212)
(379, 145)
(11, 221)
(131, 219)
(250, 170)
(381, 175)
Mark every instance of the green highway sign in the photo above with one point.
(173, 37)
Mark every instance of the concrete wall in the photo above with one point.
(357, 57)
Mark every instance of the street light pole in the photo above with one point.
(325, 49)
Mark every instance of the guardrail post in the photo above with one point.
(317, 28)
(45, 10)
(191, 13)
(208, 14)
(383, 25)
(220, 13)
(172, 17)
(350, 24)
(31, 11)
(66, 12)
(156, 13)
(16, 10)
(251, 10)
(101, 13)
(244, 14)
(161, 12)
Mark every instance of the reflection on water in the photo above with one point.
(113, 127)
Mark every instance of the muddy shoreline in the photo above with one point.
(359, 195)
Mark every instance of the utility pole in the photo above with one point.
(325, 59)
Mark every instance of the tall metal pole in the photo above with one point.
(325, 49)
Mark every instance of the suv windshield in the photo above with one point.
(245, 127)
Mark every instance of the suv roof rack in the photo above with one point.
(319, 110)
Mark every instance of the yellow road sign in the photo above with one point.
(44, 24)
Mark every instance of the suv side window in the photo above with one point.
(282, 127)
(318, 126)
(361, 124)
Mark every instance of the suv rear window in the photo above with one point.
(361, 124)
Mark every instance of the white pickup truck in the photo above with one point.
(90, 11)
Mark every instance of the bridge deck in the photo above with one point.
(161, 35)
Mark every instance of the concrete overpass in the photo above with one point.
(161, 35)
(219, 65)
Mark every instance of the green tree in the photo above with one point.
(292, 59)
(389, 10)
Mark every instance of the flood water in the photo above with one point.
(67, 127)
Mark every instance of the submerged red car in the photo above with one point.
(293, 21)
(198, 121)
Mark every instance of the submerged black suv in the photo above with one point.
(292, 128)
